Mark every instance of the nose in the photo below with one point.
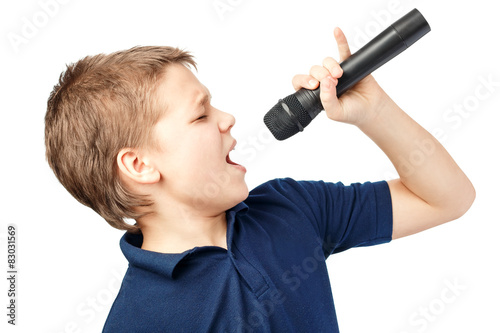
(226, 121)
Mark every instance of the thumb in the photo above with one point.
(328, 96)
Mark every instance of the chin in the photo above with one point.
(242, 192)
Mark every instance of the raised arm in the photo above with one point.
(432, 189)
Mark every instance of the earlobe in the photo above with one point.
(135, 168)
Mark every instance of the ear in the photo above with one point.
(136, 168)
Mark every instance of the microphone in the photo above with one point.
(294, 112)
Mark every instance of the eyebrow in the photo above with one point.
(203, 99)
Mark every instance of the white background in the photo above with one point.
(69, 261)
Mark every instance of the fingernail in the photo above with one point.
(313, 83)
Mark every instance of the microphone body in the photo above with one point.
(294, 112)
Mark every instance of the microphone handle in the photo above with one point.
(385, 46)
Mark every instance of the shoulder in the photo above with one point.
(290, 201)
(288, 187)
(311, 190)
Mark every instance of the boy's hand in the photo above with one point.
(357, 105)
(432, 188)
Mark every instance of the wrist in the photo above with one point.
(380, 109)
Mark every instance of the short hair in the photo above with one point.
(104, 103)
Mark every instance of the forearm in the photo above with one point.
(423, 164)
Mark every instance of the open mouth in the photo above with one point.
(229, 161)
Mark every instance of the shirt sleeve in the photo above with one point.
(342, 216)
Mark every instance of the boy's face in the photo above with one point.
(194, 141)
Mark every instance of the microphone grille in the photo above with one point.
(298, 110)
(285, 123)
(279, 123)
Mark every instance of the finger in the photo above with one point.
(343, 46)
(304, 81)
(319, 72)
(328, 96)
(333, 67)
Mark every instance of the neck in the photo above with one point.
(176, 234)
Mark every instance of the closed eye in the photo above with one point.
(202, 117)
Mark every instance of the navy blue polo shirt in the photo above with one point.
(273, 276)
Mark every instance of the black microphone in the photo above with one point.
(294, 112)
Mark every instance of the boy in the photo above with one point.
(133, 134)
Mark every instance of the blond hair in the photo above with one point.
(102, 104)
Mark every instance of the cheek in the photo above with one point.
(193, 155)
(200, 155)
(206, 147)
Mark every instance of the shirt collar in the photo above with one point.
(165, 263)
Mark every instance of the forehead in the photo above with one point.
(179, 88)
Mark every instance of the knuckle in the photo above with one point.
(297, 78)
(318, 72)
(331, 64)
(329, 61)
